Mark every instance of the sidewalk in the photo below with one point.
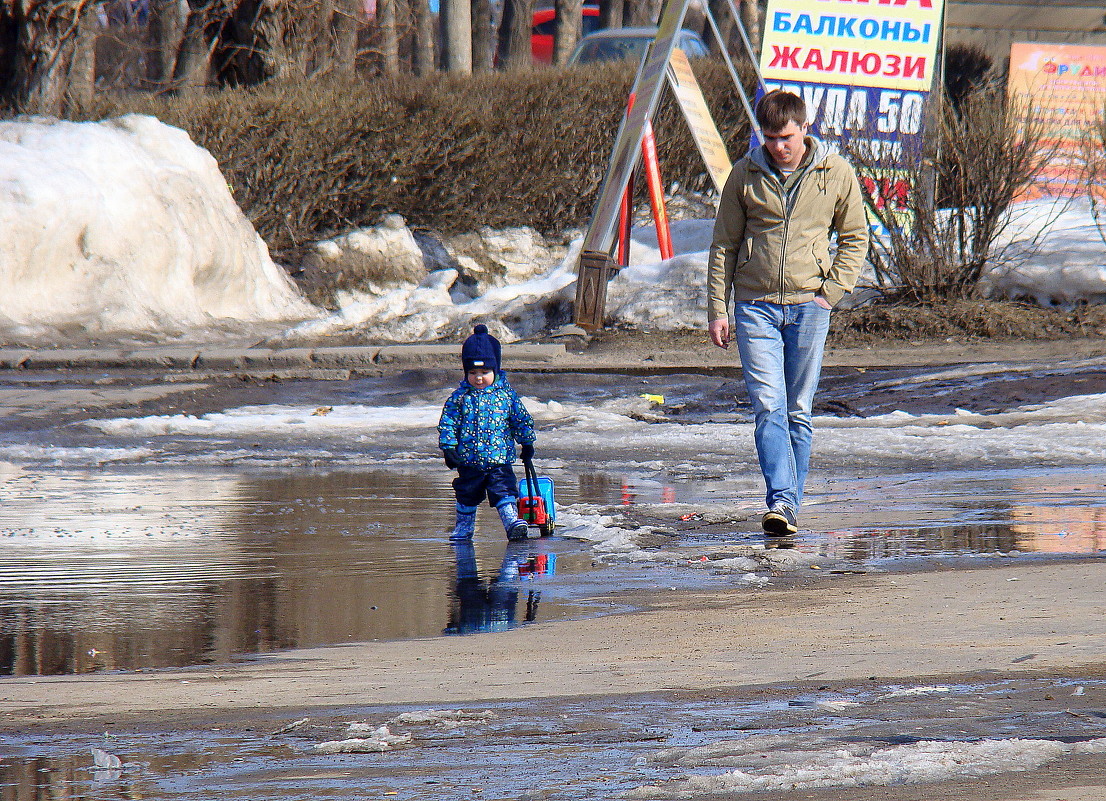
(253, 358)
(639, 353)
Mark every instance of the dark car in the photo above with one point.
(614, 44)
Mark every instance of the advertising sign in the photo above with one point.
(1064, 89)
(699, 121)
(865, 69)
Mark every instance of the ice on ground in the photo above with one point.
(126, 225)
(442, 717)
(277, 421)
(71, 457)
(860, 766)
(907, 692)
(379, 740)
(1067, 431)
(615, 539)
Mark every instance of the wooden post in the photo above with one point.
(596, 269)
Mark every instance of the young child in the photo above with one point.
(480, 424)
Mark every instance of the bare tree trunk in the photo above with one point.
(641, 12)
(457, 46)
(566, 33)
(9, 39)
(425, 40)
(274, 33)
(483, 36)
(82, 72)
(166, 32)
(347, 22)
(750, 18)
(389, 36)
(193, 67)
(45, 43)
(317, 43)
(514, 33)
(727, 27)
(610, 13)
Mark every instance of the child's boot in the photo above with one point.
(465, 526)
(516, 529)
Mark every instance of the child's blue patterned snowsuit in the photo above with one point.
(483, 425)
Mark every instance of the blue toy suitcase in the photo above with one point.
(535, 502)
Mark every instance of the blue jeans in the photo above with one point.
(781, 351)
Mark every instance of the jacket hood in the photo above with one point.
(822, 150)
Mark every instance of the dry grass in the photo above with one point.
(964, 321)
(308, 160)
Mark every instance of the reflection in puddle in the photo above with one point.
(1058, 512)
(865, 546)
(149, 569)
(134, 568)
(481, 605)
(951, 540)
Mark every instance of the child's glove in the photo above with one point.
(527, 451)
(452, 458)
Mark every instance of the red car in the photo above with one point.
(541, 35)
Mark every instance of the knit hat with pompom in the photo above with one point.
(481, 350)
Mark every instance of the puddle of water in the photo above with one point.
(560, 749)
(124, 570)
(133, 568)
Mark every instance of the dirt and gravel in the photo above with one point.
(1023, 618)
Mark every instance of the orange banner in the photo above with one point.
(1064, 87)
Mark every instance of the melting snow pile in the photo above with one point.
(1058, 254)
(375, 740)
(369, 738)
(1055, 254)
(126, 225)
(858, 766)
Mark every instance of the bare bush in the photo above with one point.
(1094, 146)
(306, 161)
(944, 222)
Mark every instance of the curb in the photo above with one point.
(221, 358)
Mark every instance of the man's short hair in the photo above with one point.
(777, 108)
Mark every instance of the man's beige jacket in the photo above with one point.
(773, 244)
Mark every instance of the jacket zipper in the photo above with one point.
(787, 209)
(786, 223)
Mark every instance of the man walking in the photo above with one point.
(771, 257)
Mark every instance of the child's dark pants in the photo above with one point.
(496, 483)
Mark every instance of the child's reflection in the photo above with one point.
(479, 605)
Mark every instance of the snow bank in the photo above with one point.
(1058, 252)
(126, 225)
(1059, 258)
(662, 295)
